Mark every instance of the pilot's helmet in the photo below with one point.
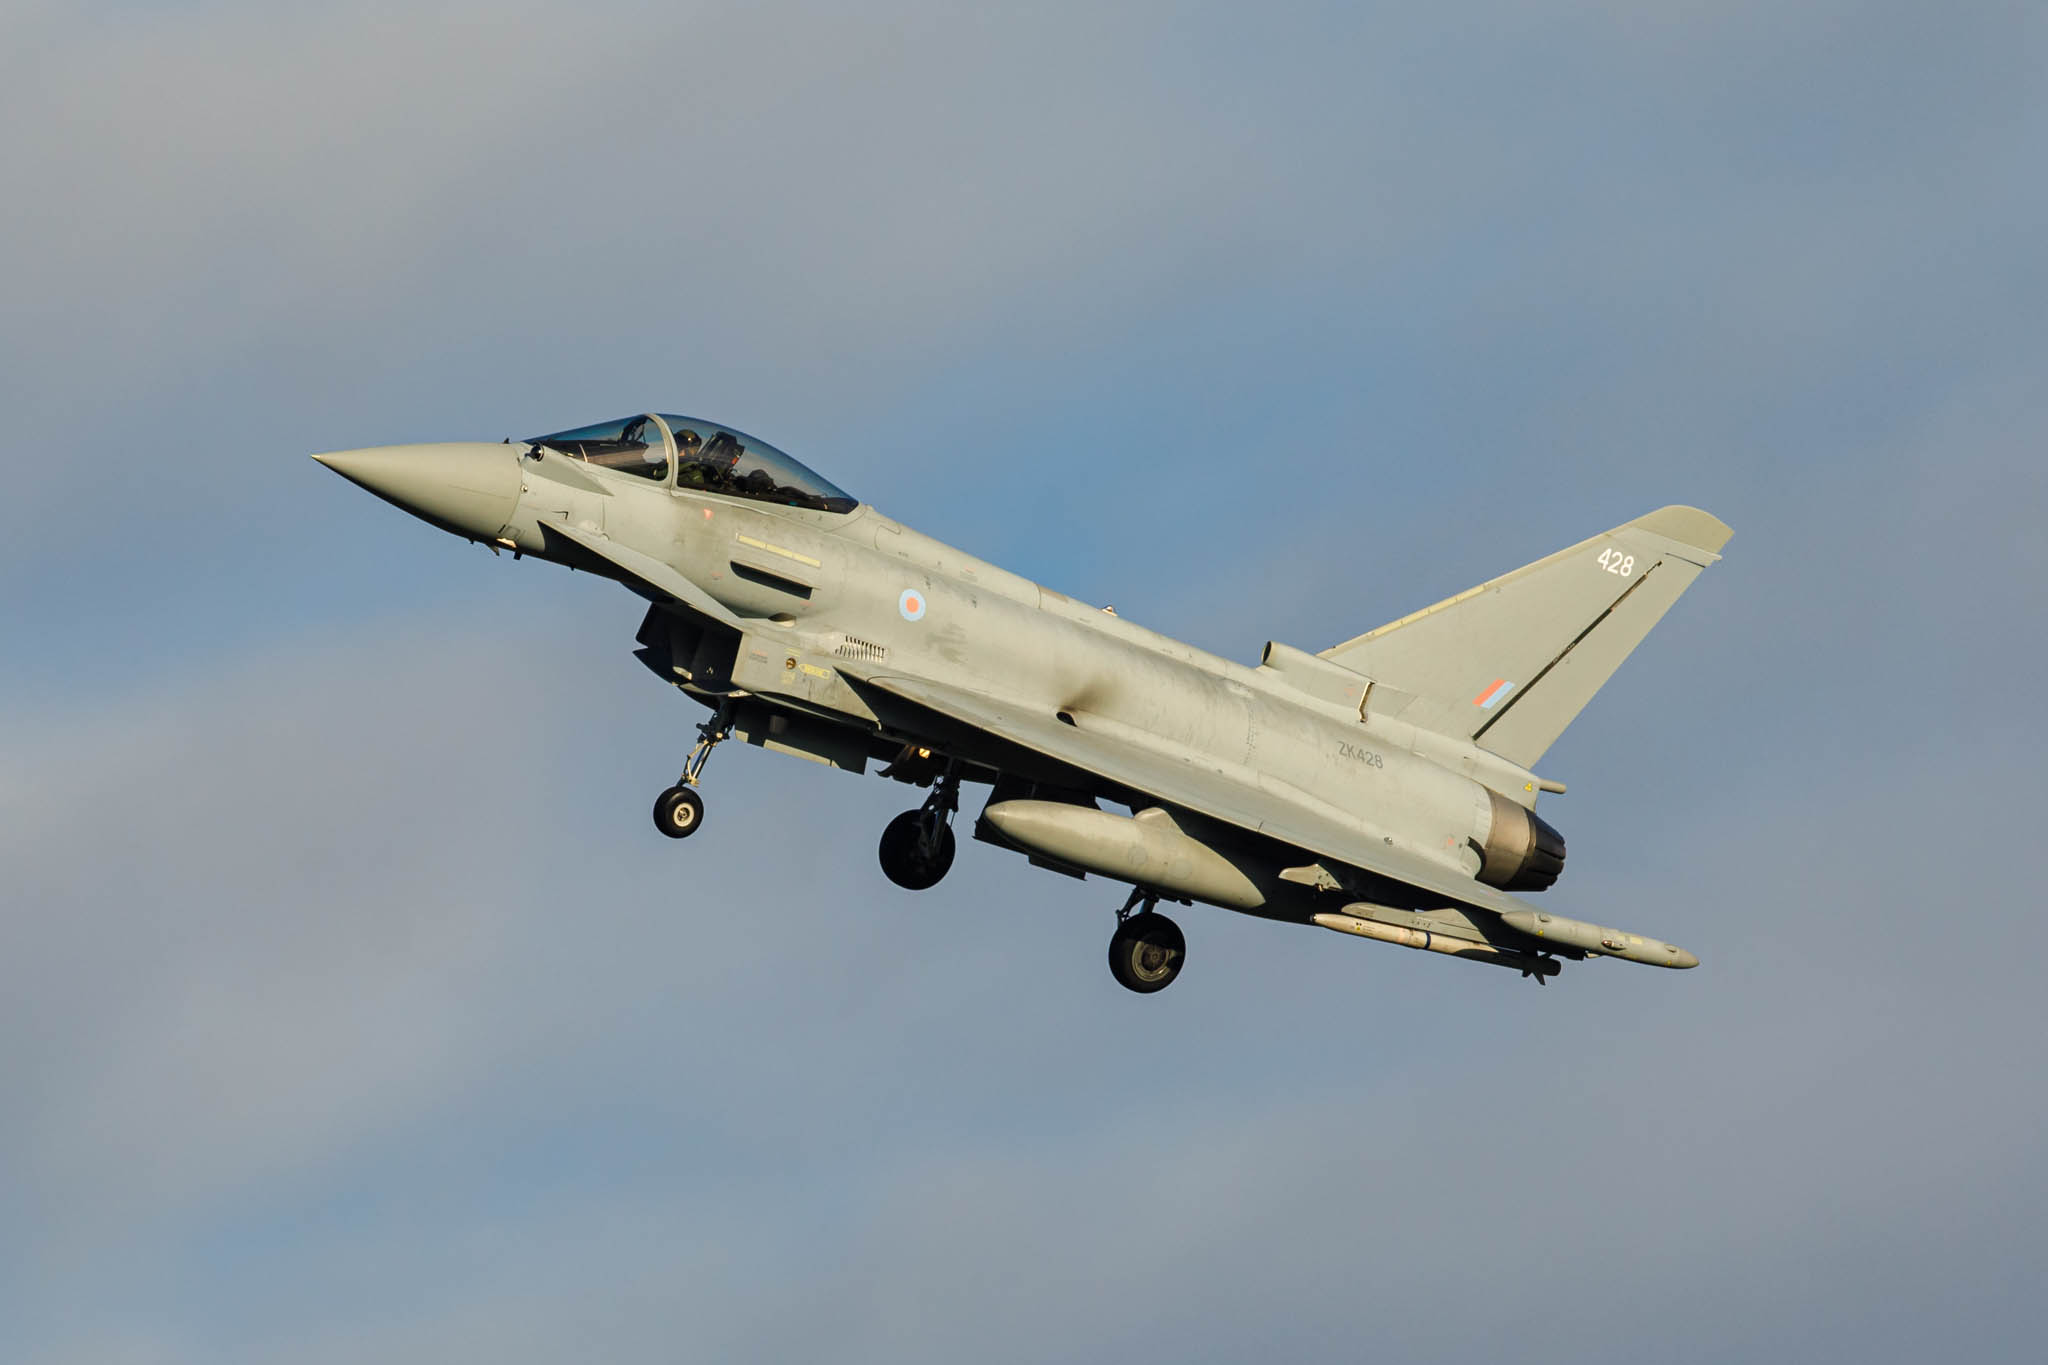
(687, 441)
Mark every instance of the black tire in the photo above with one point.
(908, 865)
(679, 812)
(1146, 953)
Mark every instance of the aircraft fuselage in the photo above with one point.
(816, 626)
(808, 583)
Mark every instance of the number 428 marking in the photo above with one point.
(1614, 561)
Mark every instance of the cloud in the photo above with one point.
(355, 1011)
(383, 995)
(210, 974)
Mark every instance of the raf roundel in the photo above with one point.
(911, 604)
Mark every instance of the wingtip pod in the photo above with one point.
(1689, 526)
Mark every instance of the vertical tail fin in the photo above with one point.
(1513, 661)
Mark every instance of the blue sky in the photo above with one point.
(353, 1009)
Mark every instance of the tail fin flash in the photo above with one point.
(1513, 661)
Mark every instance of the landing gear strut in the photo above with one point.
(1148, 949)
(917, 846)
(679, 811)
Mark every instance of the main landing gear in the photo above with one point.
(1147, 951)
(917, 846)
(679, 811)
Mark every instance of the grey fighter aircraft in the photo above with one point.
(1383, 787)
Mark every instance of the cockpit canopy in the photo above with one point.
(688, 453)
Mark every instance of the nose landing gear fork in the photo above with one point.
(917, 847)
(679, 811)
(1139, 896)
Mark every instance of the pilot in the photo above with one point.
(723, 452)
(719, 459)
(691, 470)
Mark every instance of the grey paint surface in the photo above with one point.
(1367, 778)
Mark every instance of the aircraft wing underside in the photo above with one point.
(1205, 791)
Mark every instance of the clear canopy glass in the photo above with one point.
(721, 460)
(708, 456)
(631, 445)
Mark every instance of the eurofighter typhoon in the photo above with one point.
(1385, 787)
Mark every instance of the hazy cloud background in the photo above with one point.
(353, 1010)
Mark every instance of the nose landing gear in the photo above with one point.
(917, 847)
(1148, 950)
(679, 811)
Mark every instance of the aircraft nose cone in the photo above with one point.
(469, 488)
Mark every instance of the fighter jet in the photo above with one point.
(1384, 787)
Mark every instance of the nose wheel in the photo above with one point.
(917, 846)
(679, 811)
(1148, 950)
